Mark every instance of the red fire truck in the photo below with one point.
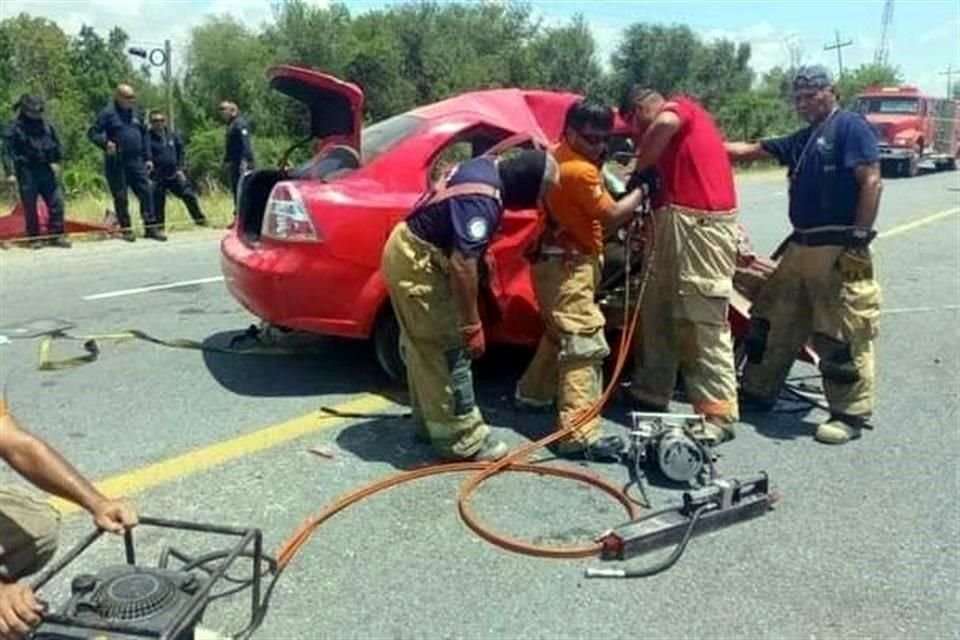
(913, 129)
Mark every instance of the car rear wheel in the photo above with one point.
(386, 344)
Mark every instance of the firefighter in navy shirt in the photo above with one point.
(122, 134)
(824, 285)
(430, 265)
(31, 159)
(166, 148)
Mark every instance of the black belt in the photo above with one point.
(820, 238)
(843, 237)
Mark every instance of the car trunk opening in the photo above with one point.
(335, 106)
(336, 115)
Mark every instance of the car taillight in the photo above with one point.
(285, 217)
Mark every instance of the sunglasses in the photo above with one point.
(594, 138)
(158, 120)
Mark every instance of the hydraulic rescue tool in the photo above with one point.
(675, 442)
(720, 503)
(130, 600)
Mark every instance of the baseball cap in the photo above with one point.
(32, 105)
(812, 77)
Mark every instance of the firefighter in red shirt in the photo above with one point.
(684, 314)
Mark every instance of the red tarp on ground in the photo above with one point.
(13, 225)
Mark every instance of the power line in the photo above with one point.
(839, 47)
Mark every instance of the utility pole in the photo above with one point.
(168, 73)
(950, 72)
(160, 58)
(839, 47)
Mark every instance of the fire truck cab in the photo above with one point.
(913, 129)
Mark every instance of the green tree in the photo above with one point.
(566, 58)
(749, 115)
(225, 61)
(654, 56)
(321, 37)
(36, 59)
(675, 60)
(378, 68)
(101, 65)
(867, 75)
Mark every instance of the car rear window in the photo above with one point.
(381, 136)
(339, 160)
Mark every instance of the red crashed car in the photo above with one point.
(305, 251)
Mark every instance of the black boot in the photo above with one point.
(155, 233)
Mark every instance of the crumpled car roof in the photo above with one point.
(540, 113)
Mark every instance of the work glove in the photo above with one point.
(855, 264)
(473, 339)
(648, 180)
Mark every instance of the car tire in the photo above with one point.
(386, 344)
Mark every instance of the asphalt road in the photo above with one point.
(865, 543)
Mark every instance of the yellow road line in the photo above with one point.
(910, 226)
(221, 452)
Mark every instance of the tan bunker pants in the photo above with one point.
(28, 533)
(567, 366)
(438, 366)
(683, 318)
(831, 294)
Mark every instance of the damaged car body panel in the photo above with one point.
(305, 250)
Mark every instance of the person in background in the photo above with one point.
(238, 155)
(166, 148)
(122, 134)
(31, 160)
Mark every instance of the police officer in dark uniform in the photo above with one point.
(238, 153)
(31, 158)
(122, 134)
(166, 148)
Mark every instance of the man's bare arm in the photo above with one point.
(44, 467)
(656, 139)
(622, 212)
(871, 186)
(36, 461)
(463, 285)
(746, 151)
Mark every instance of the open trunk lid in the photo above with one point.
(336, 106)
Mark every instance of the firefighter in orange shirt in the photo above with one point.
(566, 368)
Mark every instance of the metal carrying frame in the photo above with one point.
(197, 602)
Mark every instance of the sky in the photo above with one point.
(924, 39)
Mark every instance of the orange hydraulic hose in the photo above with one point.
(512, 462)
